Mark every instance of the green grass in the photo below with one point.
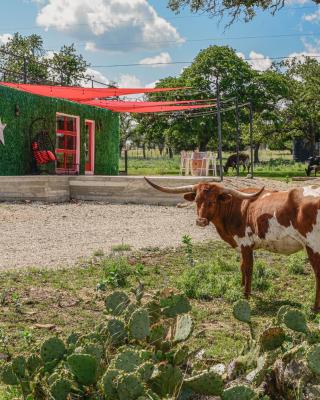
(279, 167)
(121, 247)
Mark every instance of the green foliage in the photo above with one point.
(313, 359)
(240, 392)
(188, 248)
(297, 263)
(116, 271)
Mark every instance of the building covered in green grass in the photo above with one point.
(48, 135)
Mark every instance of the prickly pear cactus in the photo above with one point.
(129, 387)
(240, 392)
(158, 333)
(281, 312)
(93, 349)
(52, 349)
(145, 371)
(108, 383)
(313, 359)
(139, 324)
(127, 361)
(33, 364)
(207, 383)
(295, 320)
(166, 380)
(242, 311)
(19, 366)
(60, 389)
(84, 367)
(8, 377)
(174, 304)
(183, 328)
(272, 338)
(116, 303)
(116, 331)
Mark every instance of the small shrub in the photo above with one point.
(211, 280)
(262, 277)
(116, 272)
(296, 264)
(98, 253)
(188, 249)
(121, 247)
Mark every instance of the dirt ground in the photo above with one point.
(43, 235)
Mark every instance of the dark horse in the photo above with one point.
(244, 160)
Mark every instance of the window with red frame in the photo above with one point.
(66, 149)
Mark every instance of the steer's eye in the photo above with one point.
(210, 203)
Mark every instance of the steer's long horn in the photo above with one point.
(180, 189)
(241, 195)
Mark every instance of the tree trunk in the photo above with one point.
(144, 151)
(256, 153)
(170, 152)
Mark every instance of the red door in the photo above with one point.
(67, 144)
(89, 146)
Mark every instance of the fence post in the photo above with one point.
(126, 162)
(219, 128)
(25, 73)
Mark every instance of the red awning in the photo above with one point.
(81, 94)
(151, 109)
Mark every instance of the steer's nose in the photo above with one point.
(202, 222)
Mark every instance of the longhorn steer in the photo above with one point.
(281, 222)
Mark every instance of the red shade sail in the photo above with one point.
(113, 104)
(81, 94)
(151, 109)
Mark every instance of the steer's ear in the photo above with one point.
(190, 196)
(225, 198)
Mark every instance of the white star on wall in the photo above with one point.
(2, 127)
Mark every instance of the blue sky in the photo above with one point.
(112, 32)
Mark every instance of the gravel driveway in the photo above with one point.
(61, 234)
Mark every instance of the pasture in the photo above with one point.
(274, 165)
(40, 302)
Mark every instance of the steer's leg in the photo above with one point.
(314, 259)
(246, 269)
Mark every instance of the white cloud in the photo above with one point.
(129, 81)
(312, 50)
(114, 25)
(159, 60)
(314, 17)
(259, 62)
(4, 39)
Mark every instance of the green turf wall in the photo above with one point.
(15, 155)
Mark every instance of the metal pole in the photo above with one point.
(251, 136)
(238, 137)
(126, 161)
(219, 129)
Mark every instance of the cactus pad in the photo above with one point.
(242, 311)
(139, 324)
(207, 383)
(281, 312)
(84, 367)
(116, 331)
(313, 359)
(52, 349)
(128, 361)
(129, 387)
(116, 303)
(145, 371)
(166, 380)
(108, 383)
(240, 392)
(93, 349)
(296, 321)
(33, 364)
(181, 355)
(60, 389)
(272, 338)
(175, 304)
(8, 377)
(19, 366)
(183, 328)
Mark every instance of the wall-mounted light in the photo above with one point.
(17, 110)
